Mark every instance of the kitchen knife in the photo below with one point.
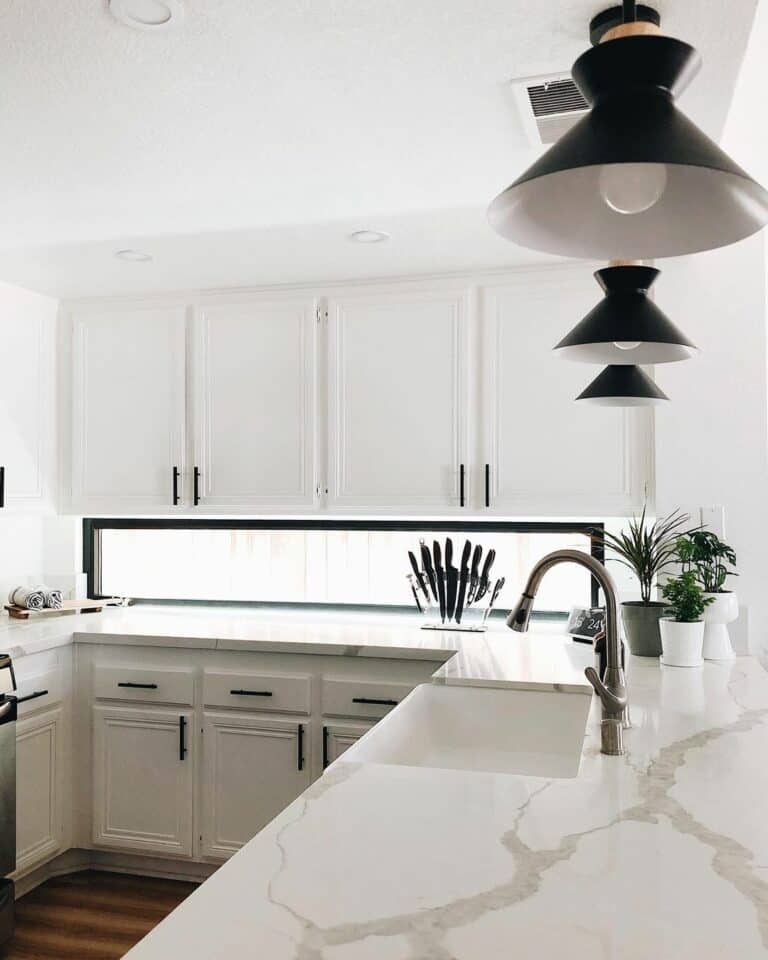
(417, 573)
(474, 575)
(440, 577)
(463, 578)
(452, 581)
(426, 560)
(448, 553)
(415, 593)
(496, 591)
(484, 581)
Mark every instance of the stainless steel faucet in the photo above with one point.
(611, 688)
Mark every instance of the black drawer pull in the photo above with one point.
(251, 693)
(300, 747)
(182, 737)
(138, 686)
(196, 486)
(32, 696)
(325, 747)
(376, 701)
(2, 486)
(461, 485)
(175, 486)
(487, 484)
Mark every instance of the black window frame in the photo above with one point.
(92, 527)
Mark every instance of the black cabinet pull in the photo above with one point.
(251, 693)
(300, 747)
(325, 747)
(487, 484)
(175, 486)
(32, 696)
(2, 486)
(196, 486)
(376, 701)
(138, 686)
(182, 737)
(461, 484)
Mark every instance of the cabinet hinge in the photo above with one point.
(321, 314)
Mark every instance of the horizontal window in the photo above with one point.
(357, 564)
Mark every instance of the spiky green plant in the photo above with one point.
(647, 549)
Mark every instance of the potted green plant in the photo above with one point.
(647, 549)
(682, 627)
(711, 561)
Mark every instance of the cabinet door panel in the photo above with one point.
(250, 773)
(255, 402)
(549, 455)
(27, 329)
(38, 789)
(397, 398)
(339, 737)
(128, 423)
(143, 789)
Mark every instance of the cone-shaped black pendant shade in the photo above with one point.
(634, 178)
(623, 386)
(626, 326)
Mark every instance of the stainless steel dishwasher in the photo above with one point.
(8, 710)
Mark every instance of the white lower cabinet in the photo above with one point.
(143, 779)
(253, 767)
(39, 763)
(338, 737)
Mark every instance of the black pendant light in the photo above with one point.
(634, 178)
(620, 385)
(626, 327)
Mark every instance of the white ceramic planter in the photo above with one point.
(717, 616)
(681, 643)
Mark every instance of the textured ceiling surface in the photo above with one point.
(267, 115)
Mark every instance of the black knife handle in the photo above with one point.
(461, 484)
(487, 485)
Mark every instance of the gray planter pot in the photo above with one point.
(641, 626)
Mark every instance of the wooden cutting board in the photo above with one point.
(68, 606)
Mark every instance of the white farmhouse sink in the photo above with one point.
(529, 732)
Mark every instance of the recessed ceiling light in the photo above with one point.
(369, 236)
(147, 14)
(133, 256)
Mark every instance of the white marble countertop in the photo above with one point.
(495, 658)
(659, 855)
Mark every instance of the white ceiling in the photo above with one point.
(242, 147)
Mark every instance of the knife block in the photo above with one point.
(473, 618)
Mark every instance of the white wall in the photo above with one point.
(712, 439)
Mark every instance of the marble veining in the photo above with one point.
(622, 861)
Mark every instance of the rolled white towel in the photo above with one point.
(31, 598)
(53, 599)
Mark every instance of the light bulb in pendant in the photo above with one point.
(631, 188)
(626, 344)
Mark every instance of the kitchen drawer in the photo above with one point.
(144, 684)
(44, 689)
(257, 691)
(371, 699)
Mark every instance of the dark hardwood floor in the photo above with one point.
(90, 916)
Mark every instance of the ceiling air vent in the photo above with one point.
(548, 106)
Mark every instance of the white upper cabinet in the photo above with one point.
(397, 381)
(255, 404)
(547, 455)
(129, 408)
(28, 331)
